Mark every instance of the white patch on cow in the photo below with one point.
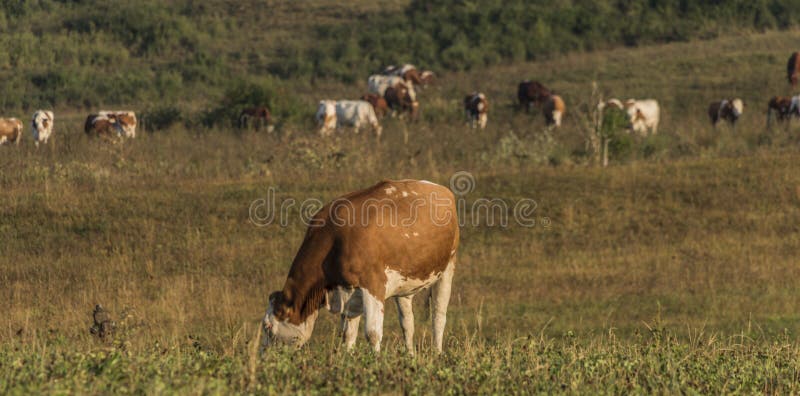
(406, 236)
(390, 190)
(415, 234)
(405, 194)
(414, 192)
(428, 182)
(3, 140)
(399, 285)
(557, 118)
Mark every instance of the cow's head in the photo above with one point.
(282, 324)
(737, 107)
(427, 77)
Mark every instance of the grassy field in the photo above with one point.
(672, 270)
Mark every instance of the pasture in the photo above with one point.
(672, 270)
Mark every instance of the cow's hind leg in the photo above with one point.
(351, 316)
(440, 295)
(406, 314)
(373, 319)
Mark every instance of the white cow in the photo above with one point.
(643, 115)
(332, 114)
(42, 126)
(378, 84)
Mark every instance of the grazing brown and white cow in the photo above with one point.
(553, 110)
(258, 115)
(332, 114)
(476, 107)
(727, 109)
(123, 122)
(391, 240)
(530, 93)
(784, 106)
(792, 68)
(10, 130)
(378, 103)
(378, 84)
(644, 115)
(42, 126)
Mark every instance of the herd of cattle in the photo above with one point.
(394, 92)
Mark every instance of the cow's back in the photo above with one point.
(406, 226)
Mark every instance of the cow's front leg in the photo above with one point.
(373, 319)
(406, 314)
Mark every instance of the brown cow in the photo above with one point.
(476, 108)
(259, 114)
(553, 110)
(784, 106)
(531, 93)
(728, 109)
(105, 125)
(393, 239)
(10, 130)
(378, 103)
(399, 99)
(792, 68)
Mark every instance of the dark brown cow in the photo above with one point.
(531, 93)
(258, 114)
(476, 107)
(378, 104)
(729, 110)
(792, 68)
(10, 130)
(393, 239)
(784, 106)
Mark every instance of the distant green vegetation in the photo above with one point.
(88, 54)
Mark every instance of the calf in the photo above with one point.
(259, 115)
(378, 104)
(476, 107)
(728, 109)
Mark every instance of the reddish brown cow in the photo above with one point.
(106, 126)
(378, 104)
(792, 68)
(259, 114)
(531, 93)
(391, 240)
(10, 130)
(399, 100)
(784, 107)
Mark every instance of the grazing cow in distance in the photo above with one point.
(553, 110)
(644, 115)
(784, 106)
(476, 107)
(378, 84)
(42, 126)
(728, 109)
(531, 93)
(378, 103)
(259, 115)
(612, 103)
(792, 68)
(10, 131)
(410, 74)
(105, 126)
(391, 240)
(125, 121)
(332, 114)
(399, 99)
